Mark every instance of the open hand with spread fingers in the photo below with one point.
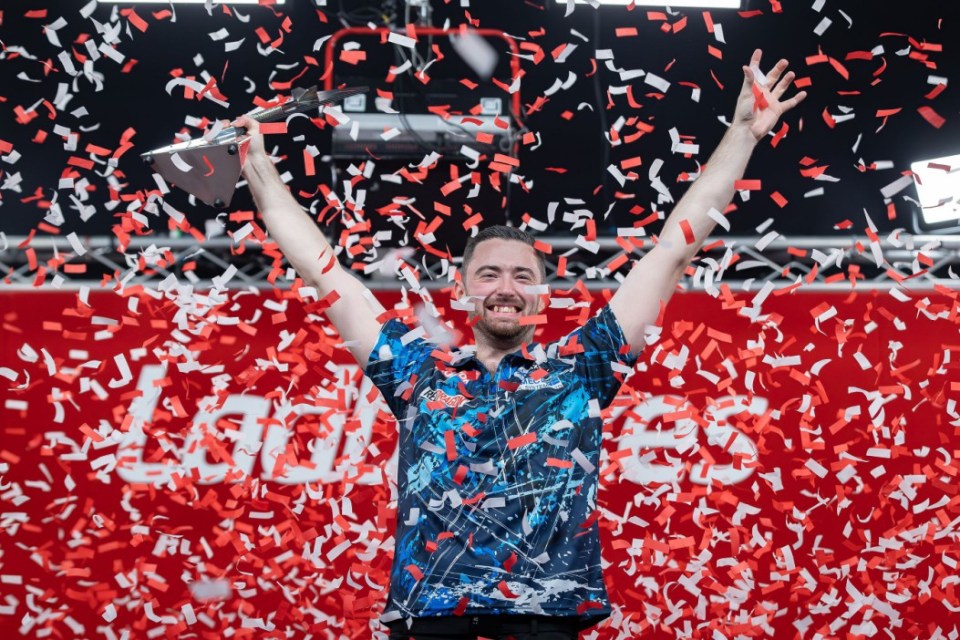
(760, 103)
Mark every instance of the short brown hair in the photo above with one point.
(503, 232)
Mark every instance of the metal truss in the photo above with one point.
(742, 263)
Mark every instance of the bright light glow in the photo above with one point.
(184, 1)
(938, 188)
(702, 4)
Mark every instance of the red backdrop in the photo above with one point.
(789, 475)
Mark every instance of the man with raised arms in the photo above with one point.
(499, 442)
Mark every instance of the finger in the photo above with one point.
(774, 76)
(783, 85)
(248, 123)
(792, 102)
(747, 76)
(755, 58)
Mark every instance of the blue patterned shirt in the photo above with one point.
(498, 473)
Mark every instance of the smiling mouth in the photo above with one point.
(505, 309)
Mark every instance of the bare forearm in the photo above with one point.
(299, 238)
(714, 189)
(652, 280)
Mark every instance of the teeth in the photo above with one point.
(502, 309)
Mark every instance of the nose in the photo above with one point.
(508, 286)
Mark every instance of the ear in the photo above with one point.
(458, 290)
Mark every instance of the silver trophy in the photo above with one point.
(209, 168)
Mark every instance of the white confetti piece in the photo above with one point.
(581, 460)
(401, 40)
(818, 469)
(719, 218)
(657, 82)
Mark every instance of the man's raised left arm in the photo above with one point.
(653, 279)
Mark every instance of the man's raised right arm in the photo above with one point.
(355, 312)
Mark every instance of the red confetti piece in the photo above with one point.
(931, 116)
(828, 119)
(450, 443)
(350, 57)
(522, 441)
(759, 100)
(134, 19)
(618, 262)
(271, 128)
(587, 605)
(474, 500)
(309, 167)
(839, 68)
(777, 197)
(415, 571)
(708, 21)
(747, 185)
(779, 135)
(716, 80)
(937, 90)
(542, 247)
(687, 231)
(505, 590)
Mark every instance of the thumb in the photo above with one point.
(246, 122)
(747, 76)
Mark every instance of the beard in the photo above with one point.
(502, 329)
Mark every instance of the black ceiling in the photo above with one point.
(918, 41)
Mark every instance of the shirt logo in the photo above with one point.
(529, 384)
(437, 395)
(466, 376)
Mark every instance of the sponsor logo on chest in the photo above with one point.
(438, 395)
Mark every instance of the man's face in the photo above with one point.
(497, 280)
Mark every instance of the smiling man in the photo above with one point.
(499, 442)
(500, 266)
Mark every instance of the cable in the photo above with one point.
(601, 111)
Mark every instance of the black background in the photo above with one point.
(137, 100)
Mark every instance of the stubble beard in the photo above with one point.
(504, 332)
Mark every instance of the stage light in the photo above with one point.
(698, 4)
(938, 189)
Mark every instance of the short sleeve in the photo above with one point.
(602, 358)
(396, 358)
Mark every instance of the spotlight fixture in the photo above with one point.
(938, 189)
